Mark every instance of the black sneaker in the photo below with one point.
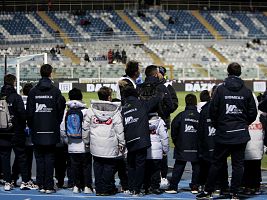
(204, 195)
(156, 191)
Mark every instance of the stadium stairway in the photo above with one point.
(205, 23)
(155, 58)
(263, 69)
(62, 34)
(200, 69)
(218, 55)
(143, 37)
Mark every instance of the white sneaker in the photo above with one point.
(76, 189)
(24, 186)
(164, 184)
(32, 186)
(7, 186)
(88, 190)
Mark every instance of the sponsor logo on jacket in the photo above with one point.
(97, 121)
(189, 129)
(130, 120)
(232, 109)
(212, 131)
(255, 126)
(42, 108)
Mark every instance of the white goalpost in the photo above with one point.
(21, 59)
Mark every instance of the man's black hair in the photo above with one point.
(204, 96)
(190, 100)
(26, 89)
(46, 70)
(131, 68)
(234, 69)
(75, 94)
(104, 92)
(9, 79)
(151, 70)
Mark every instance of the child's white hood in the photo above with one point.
(104, 110)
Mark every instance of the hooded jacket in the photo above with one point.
(105, 129)
(45, 107)
(232, 110)
(184, 134)
(18, 115)
(159, 138)
(76, 145)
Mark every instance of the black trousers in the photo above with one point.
(61, 156)
(136, 169)
(178, 171)
(81, 164)
(121, 167)
(164, 166)
(16, 168)
(5, 154)
(221, 152)
(222, 181)
(152, 174)
(104, 170)
(45, 163)
(252, 174)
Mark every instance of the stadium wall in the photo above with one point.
(180, 86)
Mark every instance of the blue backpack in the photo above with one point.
(73, 123)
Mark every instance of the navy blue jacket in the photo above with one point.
(45, 107)
(184, 134)
(205, 134)
(232, 110)
(166, 102)
(17, 112)
(135, 121)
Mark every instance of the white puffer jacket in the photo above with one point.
(159, 138)
(76, 145)
(255, 147)
(106, 129)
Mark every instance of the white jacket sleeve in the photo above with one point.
(163, 134)
(63, 135)
(119, 130)
(86, 126)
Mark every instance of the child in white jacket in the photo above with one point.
(159, 146)
(78, 148)
(253, 156)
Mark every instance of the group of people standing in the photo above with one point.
(129, 135)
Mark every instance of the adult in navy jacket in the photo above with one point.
(136, 129)
(45, 106)
(232, 110)
(165, 107)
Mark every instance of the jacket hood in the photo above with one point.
(44, 84)
(152, 79)
(105, 109)
(7, 90)
(75, 104)
(154, 122)
(233, 83)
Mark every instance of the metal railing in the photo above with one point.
(123, 36)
